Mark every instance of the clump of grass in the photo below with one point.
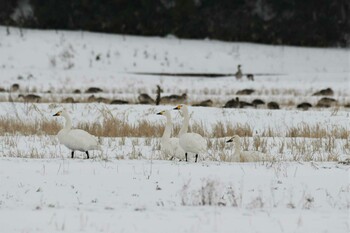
(317, 131)
(224, 130)
(38, 127)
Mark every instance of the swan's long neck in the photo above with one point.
(167, 130)
(238, 150)
(185, 122)
(68, 124)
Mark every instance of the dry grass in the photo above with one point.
(317, 131)
(115, 127)
(15, 126)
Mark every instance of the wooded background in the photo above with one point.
(323, 23)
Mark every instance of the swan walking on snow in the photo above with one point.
(190, 142)
(76, 139)
(245, 156)
(170, 146)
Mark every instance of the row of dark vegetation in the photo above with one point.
(293, 22)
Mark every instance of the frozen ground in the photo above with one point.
(131, 189)
(159, 196)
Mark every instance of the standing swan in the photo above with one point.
(76, 139)
(170, 146)
(245, 156)
(190, 142)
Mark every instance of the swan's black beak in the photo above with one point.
(160, 113)
(230, 140)
(178, 107)
(57, 114)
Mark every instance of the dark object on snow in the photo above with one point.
(205, 103)
(68, 100)
(233, 103)
(14, 87)
(102, 100)
(76, 91)
(174, 98)
(119, 102)
(159, 91)
(93, 90)
(273, 105)
(145, 99)
(245, 92)
(30, 98)
(327, 91)
(238, 74)
(257, 102)
(305, 106)
(326, 102)
(243, 104)
(250, 77)
(345, 161)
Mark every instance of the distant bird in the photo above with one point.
(76, 91)
(30, 98)
(190, 142)
(257, 102)
(68, 100)
(2, 89)
(233, 103)
(250, 77)
(326, 102)
(273, 105)
(145, 99)
(245, 156)
(76, 139)
(205, 103)
(159, 91)
(245, 92)
(243, 104)
(239, 73)
(14, 87)
(102, 100)
(304, 106)
(91, 99)
(327, 91)
(173, 98)
(170, 146)
(93, 90)
(116, 101)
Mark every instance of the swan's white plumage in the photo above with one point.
(76, 139)
(190, 142)
(245, 156)
(193, 142)
(170, 146)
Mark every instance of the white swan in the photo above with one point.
(245, 156)
(190, 142)
(76, 139)
(170, 146)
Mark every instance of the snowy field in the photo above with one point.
(160, 196)
(132, 187)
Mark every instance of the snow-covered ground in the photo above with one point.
(159, 196)
(131, 188)
(57, 61)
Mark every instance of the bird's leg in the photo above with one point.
(72, 153)
(172, 157)
(87, 153)
(186, 156)
(196, 158)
